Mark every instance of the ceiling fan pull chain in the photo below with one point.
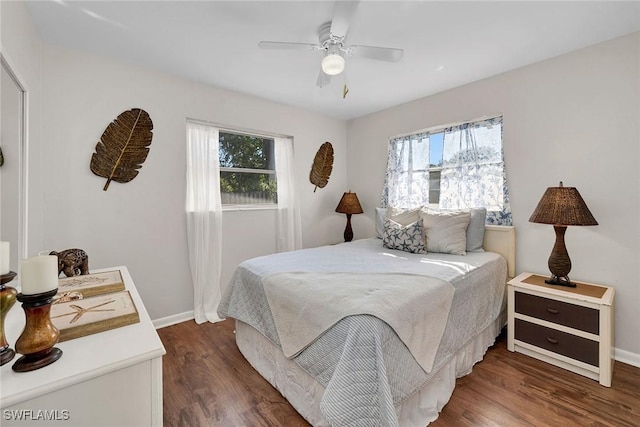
(345, 87)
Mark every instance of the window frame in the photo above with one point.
(273, 172)
(435, 205)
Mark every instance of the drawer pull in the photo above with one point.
(552, 310)
(552, 340)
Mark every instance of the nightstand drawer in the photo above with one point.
(574, 316)
(572, 346)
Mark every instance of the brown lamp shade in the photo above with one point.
(349, 204)
(562, 206)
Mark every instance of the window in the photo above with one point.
(247, 169)
(454, 167)
(435, 166)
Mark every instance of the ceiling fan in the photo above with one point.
(331, 37)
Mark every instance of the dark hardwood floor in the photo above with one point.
(207, 382)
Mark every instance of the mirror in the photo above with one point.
(13, 142)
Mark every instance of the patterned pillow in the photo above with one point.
(406, 238)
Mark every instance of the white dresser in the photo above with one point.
(113, 378)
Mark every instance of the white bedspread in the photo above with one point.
(305, 305)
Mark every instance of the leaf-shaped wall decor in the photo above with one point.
(123, 147)
(322, 166)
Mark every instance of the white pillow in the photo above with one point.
(445, 232)
(403, 216)
(475, 229)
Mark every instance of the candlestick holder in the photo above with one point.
(7, 299)
(39, 336)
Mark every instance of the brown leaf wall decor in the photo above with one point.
(322, 166)
(123, 147)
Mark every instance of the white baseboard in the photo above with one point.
(627, 357)
(173, 319)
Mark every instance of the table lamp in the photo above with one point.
(349, 204)
(561, 206)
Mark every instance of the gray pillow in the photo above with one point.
(475, 230)
(381, 215)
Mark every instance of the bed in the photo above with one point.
(362, 366)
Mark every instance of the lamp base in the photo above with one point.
(559, 261)
(348, 231)
(560, 281)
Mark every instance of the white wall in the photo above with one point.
(141, 224)
(572, 118)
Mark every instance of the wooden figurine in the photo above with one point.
(73, 262)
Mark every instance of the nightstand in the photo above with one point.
(568, 327)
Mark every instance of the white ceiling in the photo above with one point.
(446, 44)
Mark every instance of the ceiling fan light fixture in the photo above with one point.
(333, 62)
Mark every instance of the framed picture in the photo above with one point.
(88, 316)
(90, 285)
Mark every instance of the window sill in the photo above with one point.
(231, 208)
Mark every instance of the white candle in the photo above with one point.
(4, 257)
(39, 274)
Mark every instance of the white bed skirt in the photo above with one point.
(304, 392)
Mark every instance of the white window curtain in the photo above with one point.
(204, 220)
(289, 229)
(473, 170)
(407, 180)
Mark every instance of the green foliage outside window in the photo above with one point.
(247, 169)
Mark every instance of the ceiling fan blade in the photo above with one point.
(380, 53)
(323, 79)
(343, 13)
(288, 46)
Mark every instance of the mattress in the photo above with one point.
(366, 372)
